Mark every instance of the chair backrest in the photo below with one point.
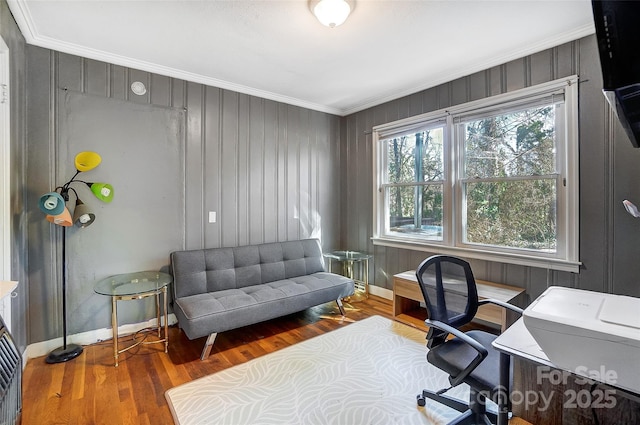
(449, 290)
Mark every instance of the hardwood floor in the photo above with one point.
(89, 390)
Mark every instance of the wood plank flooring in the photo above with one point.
(89, 390)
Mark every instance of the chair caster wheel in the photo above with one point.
(421, 400)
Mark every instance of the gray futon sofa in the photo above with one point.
(219, 289)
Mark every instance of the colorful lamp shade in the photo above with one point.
(102, 191)
(82, 216)
(51, 203)
(86, 161)
(62, 219)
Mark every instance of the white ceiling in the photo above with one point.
(276, 49)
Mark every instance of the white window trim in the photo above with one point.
(570, 174)
(5, 161)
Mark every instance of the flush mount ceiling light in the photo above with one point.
(331, 12)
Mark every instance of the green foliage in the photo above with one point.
(513, 203)
(415, 158)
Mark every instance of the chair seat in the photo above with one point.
(455, 356)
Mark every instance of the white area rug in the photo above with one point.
(368, 372)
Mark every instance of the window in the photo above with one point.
(494, 179)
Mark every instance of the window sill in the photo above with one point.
(509, 258)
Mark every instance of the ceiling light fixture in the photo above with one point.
(331, 12)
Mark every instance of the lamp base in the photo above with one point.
(62, 354)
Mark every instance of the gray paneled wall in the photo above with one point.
(272, 171)
(609, 173)
(17, 58)
(269, 171)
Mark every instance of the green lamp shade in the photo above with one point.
(51, 203)
(102, 191)
(62, 219)
(82, 217)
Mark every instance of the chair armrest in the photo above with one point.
(508, 306)
(482, 351)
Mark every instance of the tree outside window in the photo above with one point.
(494, 179)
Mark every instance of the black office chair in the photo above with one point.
(451, 298)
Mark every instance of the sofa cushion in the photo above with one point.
(217, 269)
(202, 314)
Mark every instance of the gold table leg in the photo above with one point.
(166, 321)
(114, 325)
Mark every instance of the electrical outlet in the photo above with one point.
(212, 216)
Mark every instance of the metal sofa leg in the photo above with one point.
(207, 346)
(340, 306)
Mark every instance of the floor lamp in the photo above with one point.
(54, 204)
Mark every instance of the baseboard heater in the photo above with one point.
(10, 379)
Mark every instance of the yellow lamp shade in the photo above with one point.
(86, 161)
(62, 219)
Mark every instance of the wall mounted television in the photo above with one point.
(618, 35)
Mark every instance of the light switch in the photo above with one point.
(212, 216)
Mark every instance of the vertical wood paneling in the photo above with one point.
(459, 91)
(70, 72)
(212, 186)
(329, 163)
(178, 93)
(415, 104)
(243, 171)
(516, 74)
(292, 181)
(118, 84)
(194, 168)
(313, 175)
(282, 215)
(229, 169)
(304, 165)
(443, 93)
(478, 85)
(496, 80)
(256, 164)
(596, 150)
(270, 171)
(96, 74)
(609, 172)
(429, 100)
(19, 144)
(566, 60)
(159, 90)
(542, 67)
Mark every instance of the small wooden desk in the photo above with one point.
(407, 297)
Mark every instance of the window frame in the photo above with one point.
(443, 182)
(566, 257)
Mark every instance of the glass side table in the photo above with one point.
(349, 259)
(135, 286)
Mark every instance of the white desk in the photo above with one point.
(517, 341)
(543, 394)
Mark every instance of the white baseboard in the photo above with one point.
(40, 349)
(87, 338)
(381, 292)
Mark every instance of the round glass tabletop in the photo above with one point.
(132, 283)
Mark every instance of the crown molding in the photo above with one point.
(31, 35)
(27, 27)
